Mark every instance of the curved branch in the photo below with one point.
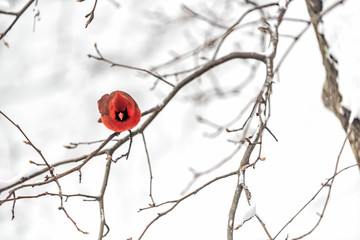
(184, 82)
(274, 38)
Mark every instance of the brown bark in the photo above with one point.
(331, 95)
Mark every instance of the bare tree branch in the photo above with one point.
(178, 201)
(150, 170)
(331, 95)
(101, 58)
(51, 171)
(100, 199)
(328, 183)
(267, 86)
(17, 16)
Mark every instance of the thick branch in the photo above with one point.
(331, 95)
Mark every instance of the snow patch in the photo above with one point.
(250, 213)
(230, 223)
(241, 178)
(102, 214)
(282, 4)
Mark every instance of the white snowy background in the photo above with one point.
(49, 87)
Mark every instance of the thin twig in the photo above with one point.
(210, 43)
(113, 64)
(66, 196)
(17, 16)
(90, 15)
(72, 220)
(297, 37)
(100, 199)
(264, 227)
(13, 206)
(127, 153)
(150, 170)
(194, 14)
(248, 118)
(220, 128)
(51, 169)
(28, 142)
(197, 175)
(248, 198)
(232, 28)
(291, 46)
(177, 202)
(36, 173)
(73, 145)
(153, 109)
(328, 183)
(67, 172)
(271, 133)
(239, 188)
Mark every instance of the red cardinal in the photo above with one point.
(119, 111)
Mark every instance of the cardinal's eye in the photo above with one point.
(122, 115)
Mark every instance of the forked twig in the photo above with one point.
(328, 184)
(17, 16)
(178, 201)
(113, 64)
(51, 171)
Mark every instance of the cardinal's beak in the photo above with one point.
(121, 116)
